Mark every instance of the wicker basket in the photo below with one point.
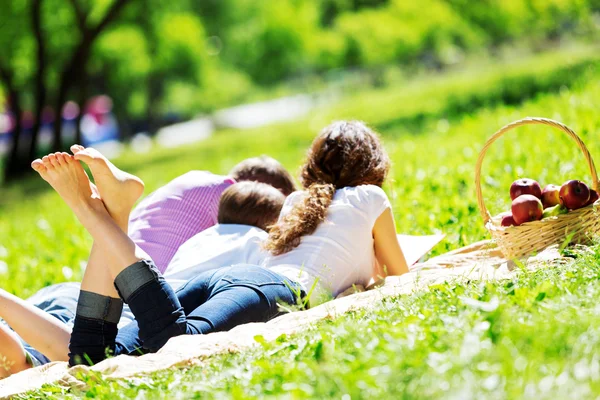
(580, 226)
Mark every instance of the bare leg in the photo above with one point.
(69, 180)
(27, 319)
(95, 279)
(38, 328)
(12, 353)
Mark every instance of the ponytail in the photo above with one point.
(303, 219)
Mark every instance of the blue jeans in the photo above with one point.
(216, 300)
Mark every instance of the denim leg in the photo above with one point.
(58, 300)
(95, 328)
(238, 295)
(228, 297)
(128, 340)
(157, 310)
(196, 291)
(191, 295)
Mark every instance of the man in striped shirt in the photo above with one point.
(187, 205)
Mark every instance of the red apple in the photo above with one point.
(525, 186)
(574, 194)
(551, 196)
(508, 220)
(593, 197)
(526, 208)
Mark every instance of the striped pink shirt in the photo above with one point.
(171, 215)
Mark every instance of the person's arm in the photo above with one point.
(45, 333)
(387, 249)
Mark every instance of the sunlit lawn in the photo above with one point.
(427, 345)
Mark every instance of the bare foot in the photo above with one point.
(38, 166)
(119, 190)
(69, 180)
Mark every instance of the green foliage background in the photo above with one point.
(188, 57)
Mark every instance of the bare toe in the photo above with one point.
(60, 159)
(83, 155)
(47, 163)
(76, 148)
(38, 166)
(53, 161)
(68, 159)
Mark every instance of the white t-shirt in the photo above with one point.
(340, 252)
(222, 245)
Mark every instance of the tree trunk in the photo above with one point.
(123, 119)
(82, 100)
(155, 91)
(75, 70)
(73, 74)
(40, 87)
(61, 98)
(16, 165)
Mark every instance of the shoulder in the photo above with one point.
(238, 230)
(201, 179)
(370, 199)
(201, 185)
(364, 193)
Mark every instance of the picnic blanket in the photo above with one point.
(480, 261)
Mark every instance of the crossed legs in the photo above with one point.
(119, 262)
(41, 330)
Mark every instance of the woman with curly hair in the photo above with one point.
(340, 231)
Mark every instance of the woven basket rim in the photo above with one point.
(572, 213)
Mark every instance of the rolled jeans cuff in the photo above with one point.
(134, 277)
(96, 306)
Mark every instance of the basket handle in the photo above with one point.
(485, 214)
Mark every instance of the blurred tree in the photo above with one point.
(330, 9)
(157, 44)
(429, 31)
(181, 57)
(269, 39)
(16, 68)
(90, 20)
(46, 47)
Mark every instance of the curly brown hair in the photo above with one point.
(345, 153)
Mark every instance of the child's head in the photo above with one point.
(346, 153)
(266, 170)
(250, 203)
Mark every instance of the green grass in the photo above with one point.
(534, 336)
(428, 345)
(432, 145)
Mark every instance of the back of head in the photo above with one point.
(250, 203)
(266, 170)
(344, 154)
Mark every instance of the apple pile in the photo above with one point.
(531, 203)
